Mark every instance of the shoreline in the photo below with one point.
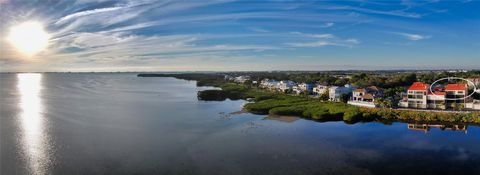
(267, 102)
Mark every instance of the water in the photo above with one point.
(121, 124)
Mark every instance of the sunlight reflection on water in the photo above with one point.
(34, 139)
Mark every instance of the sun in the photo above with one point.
(29, 37)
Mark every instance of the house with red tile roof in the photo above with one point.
(416, 96)
(456, 94)
(419, 95)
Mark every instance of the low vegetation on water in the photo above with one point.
(314, 109)
(266, 102)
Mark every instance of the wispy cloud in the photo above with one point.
(85, 13)
(328, 24)
(258, 29)
(399, 12)
(324, 36)
(412, 37)
(322, 43)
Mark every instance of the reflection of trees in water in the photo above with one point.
(444, 127)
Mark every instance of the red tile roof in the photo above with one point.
(419, 86)
(360, 90)
(456, 87)
(368, 96)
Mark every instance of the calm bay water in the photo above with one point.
(121, 124)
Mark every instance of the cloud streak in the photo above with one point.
(412, 37)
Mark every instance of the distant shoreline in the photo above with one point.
(142, 73)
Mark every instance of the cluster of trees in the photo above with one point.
(383, 79)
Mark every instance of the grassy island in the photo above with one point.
(275, 103)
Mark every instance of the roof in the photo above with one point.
(456, 87)
(367, 96)
(418, 86)
(360, 90)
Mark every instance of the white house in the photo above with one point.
(241, 79)
(420, 96)
(320, 89)
(269, 84)
(303, 87)
(308, 87)
(335, 92)
(285, 85)
(297, 89)
(367, 94)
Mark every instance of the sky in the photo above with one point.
(228, 35)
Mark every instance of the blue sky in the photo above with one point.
(147, 35)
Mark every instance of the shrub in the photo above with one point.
(352, 115)
(288, 110)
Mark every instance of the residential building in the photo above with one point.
(365, 97)
(456, 94)
(419, 95)
(241, 79)
(436, 100)
(269, 84)
(285, 85)
(296, 89)
(367, 94)
(308, 87)
(320, 89)
(335, 92)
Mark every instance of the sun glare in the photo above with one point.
(29, 37)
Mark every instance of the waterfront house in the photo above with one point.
(419, 95)
(296, 90)
(303, 87)
(436, 100)
(335, 92)
(306, 87)
(456, 94)
(320, 89)
(365, 97)
(285, 85)
(269, 84)
(367, 94)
